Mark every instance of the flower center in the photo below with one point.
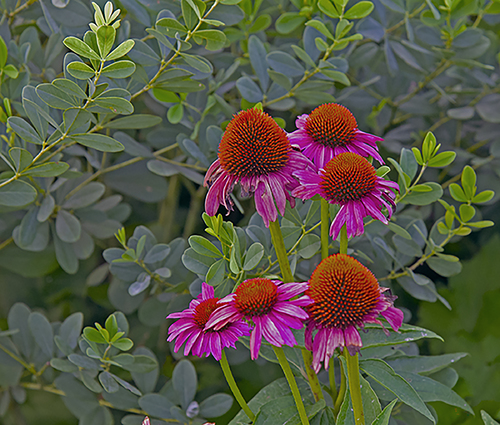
(256, 297)
(203, 311)
(331, 125)
(253, 144)
(348, 177)
(344, 292)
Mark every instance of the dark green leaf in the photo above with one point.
(80, 70)
(216, 405)
(24, 130)
(17, 194)
(42, 332)
(136, 121)
(49, 169)
(120, 69)
(99, 142)
(185, 382)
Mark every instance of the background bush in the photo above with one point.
(83, 159)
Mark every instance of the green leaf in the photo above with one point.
(86, 196)
(442, 159)
(425, 198)
(284, 63)
(170, 27)
(431, 390)
(120, 69)
(328, 8)
(80, 70)
(321, 27)
(407, 246)
(121, 50)
(469, 182)
(381, 372)
(49, 169)
(484, 196)
(487, 419)
(123, 344)
(165, 96)
(81, 48)
(359, 10)
(198, 62)
(204, 247)
(42, 332)
(216, 272)
(338, 76)
(137, 121)
(11, 71)
(3, 53)
(289, 21)
(428, 146)
(444, 267)
(216, 405)
(17, 194)
(195, 262)
(481, 224)
(467, 212)
(21, 158)
(376, 337)
(457, 193)
(156, 405)
(24, 130)
(253, 256)
(262, 22)
(68, 227)
(384, 416)
(56, 97)
(418, 156)
(398, 230)
(105, 39)
(215, 39)
(185, 382)
(113, 105)
(175, 113)
(99, 142)
(309, 246)
(108, 382)
(93, 335)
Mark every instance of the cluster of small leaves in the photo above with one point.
(92, 370)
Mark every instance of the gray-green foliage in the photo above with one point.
(135, 107)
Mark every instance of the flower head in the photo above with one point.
(350, 181)
(191, 327)
(256, 153)
(345, 295)
(267, 304)
(330, 130)
(146, 421)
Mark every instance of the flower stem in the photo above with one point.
(342, 389)
(234, 388)
(292, 383)
(343, 240)
(279, 246)
(355, 387)
(311, 375)
(286, 272)
(352, 361)
(331, 378)
(325, 227)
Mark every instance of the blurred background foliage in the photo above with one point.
(404, 68)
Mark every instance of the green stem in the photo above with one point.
(355, 387)
(325, 228)
(279, 246)
(343, 240)
(331, 378)
(311, 375)
(342, 389)
(234, 388)
(292, 383)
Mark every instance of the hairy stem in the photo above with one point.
(234, 388)
(279, 246)
(292, 383)
(325, 228)
(311, 375)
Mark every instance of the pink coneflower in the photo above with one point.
(330, 130)
(146, 421)
(256, 153)
(345, 295)
(267, 304)
(350, 181)
(191, 327)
